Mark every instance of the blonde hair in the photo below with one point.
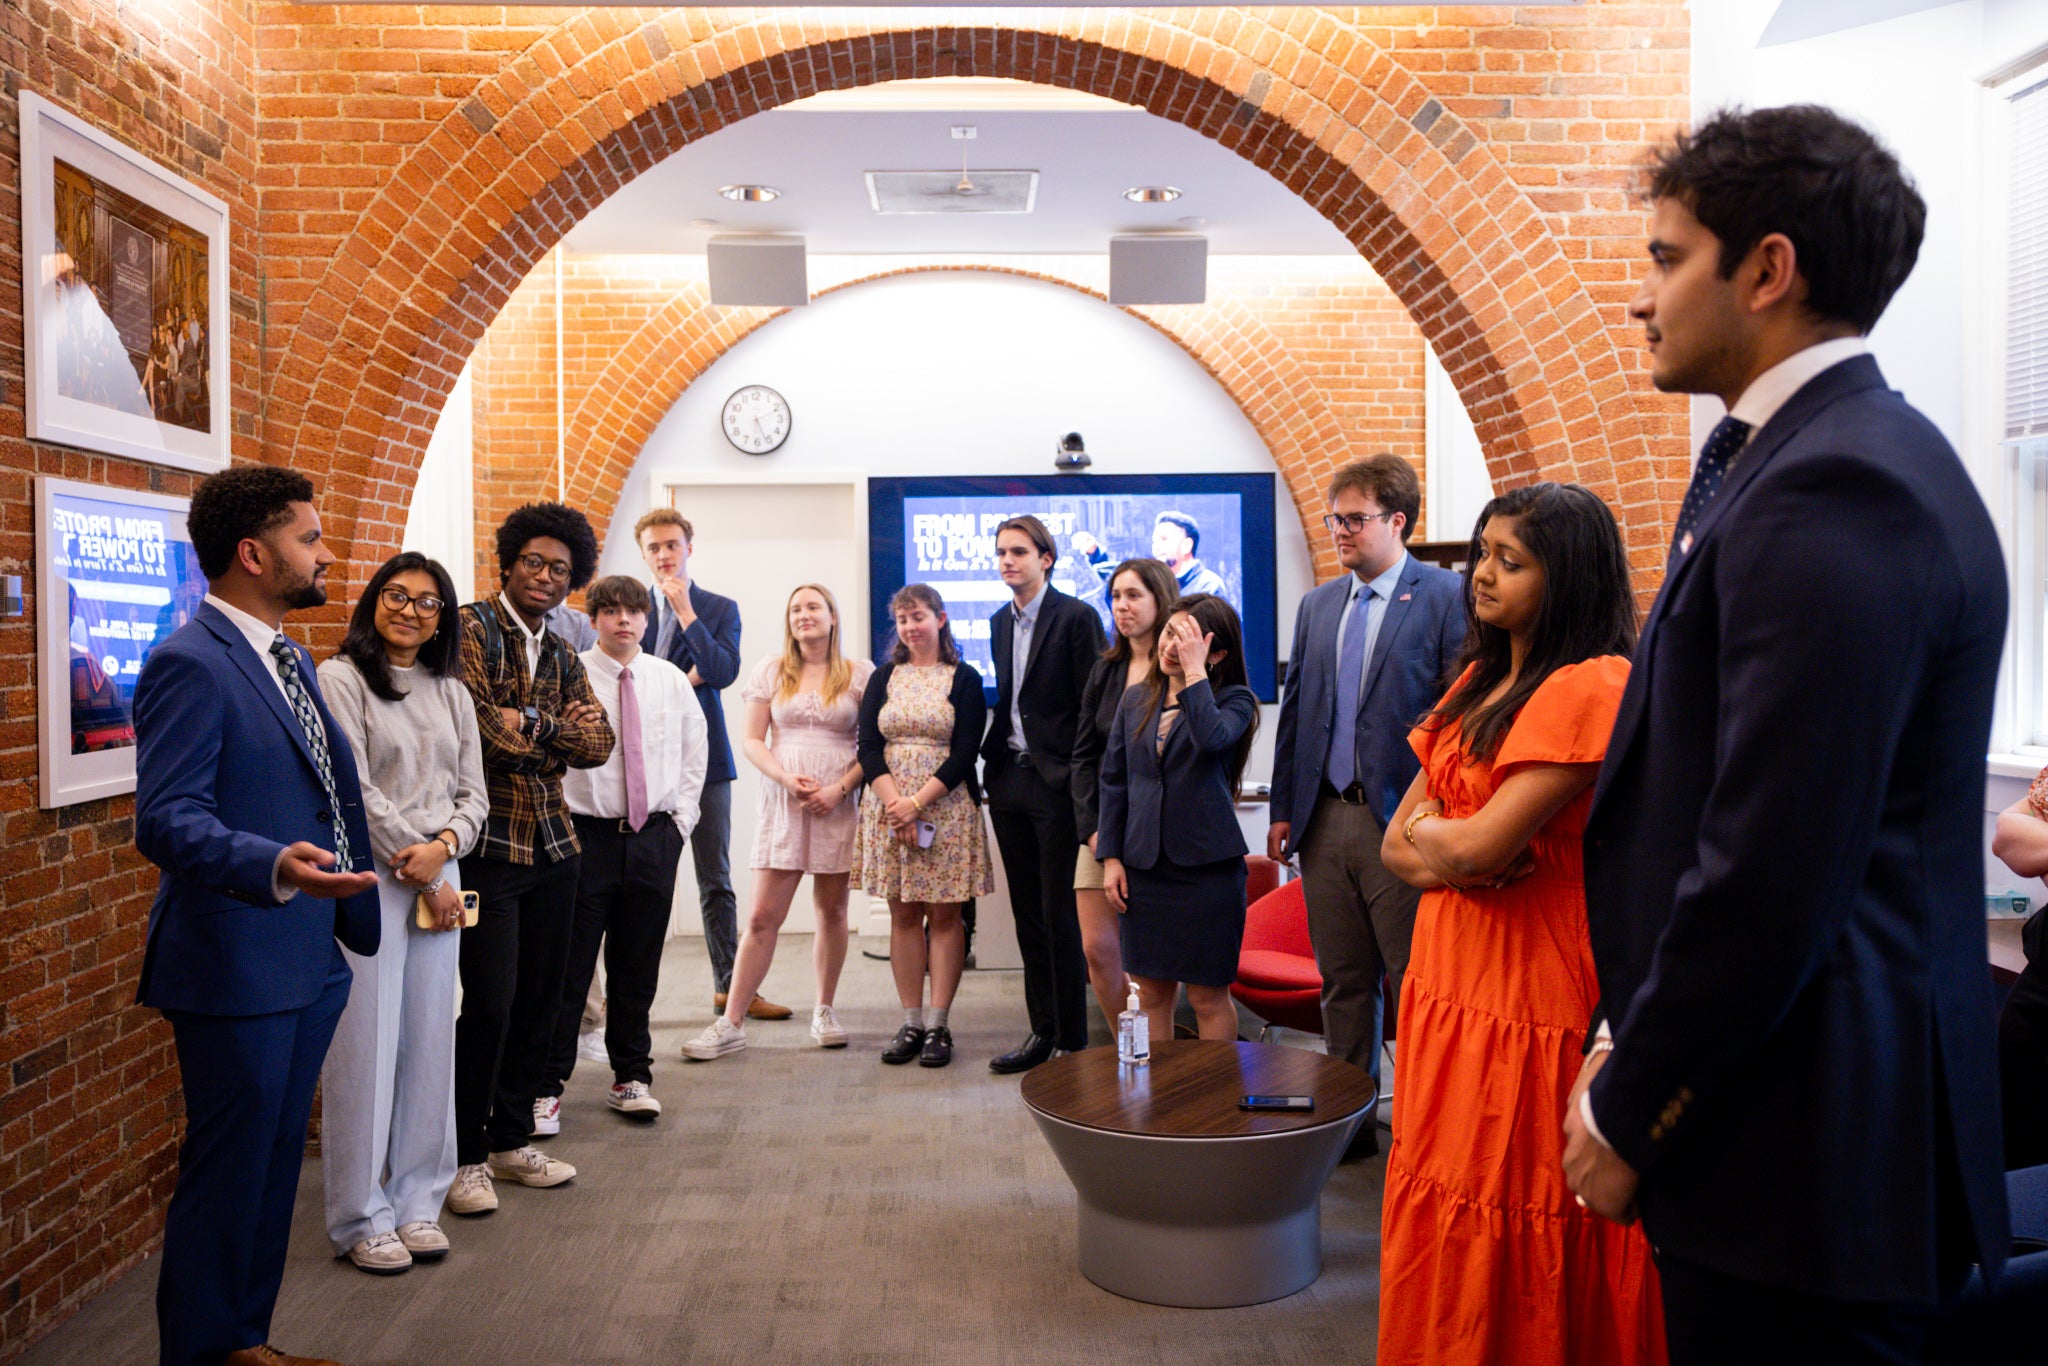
(838, 673)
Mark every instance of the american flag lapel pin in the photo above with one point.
(1685, 544)
(1404, 597)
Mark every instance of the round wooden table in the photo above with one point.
(1183, 1198)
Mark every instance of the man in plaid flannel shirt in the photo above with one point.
(538, 718)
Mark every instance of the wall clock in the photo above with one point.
(756, 419)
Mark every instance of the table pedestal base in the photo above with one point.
(1200, 1223)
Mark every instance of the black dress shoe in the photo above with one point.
(938, 1048)
(1025, 1056)
(907, 1044)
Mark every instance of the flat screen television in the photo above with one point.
(941, 530)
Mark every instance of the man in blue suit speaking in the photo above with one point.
(247, 799)
(1370, 653)
(1798, 1084)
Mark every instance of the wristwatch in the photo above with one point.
(531, 717)
(449, 845)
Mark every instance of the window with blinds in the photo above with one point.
(2026, 349)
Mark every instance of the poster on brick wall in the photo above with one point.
(117, 575)
(124, 298)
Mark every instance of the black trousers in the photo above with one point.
(623, 892)
(2023, 1068)
(1034, 825)
(1712, 1319)
(512, 962)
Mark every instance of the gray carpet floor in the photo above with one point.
(790, 1205)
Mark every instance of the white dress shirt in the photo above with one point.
(675, 745)
(531, 639)
(1756, 405)
(1023, 622)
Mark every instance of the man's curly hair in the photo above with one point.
(561, 522)
(238, 503)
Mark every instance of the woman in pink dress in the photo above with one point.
(808, 698)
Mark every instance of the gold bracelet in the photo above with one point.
(1408, 830)
(918, 804)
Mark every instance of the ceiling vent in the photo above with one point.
(897, 192)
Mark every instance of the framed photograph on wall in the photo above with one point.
(116, 573)
(124, 298)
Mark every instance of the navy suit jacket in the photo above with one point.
(711, 646)
(224, 780)
(1177, 806)
(1784, 873)
(1419, 640)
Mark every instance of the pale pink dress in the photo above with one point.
(809, 740)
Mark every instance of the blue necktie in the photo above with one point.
(1342, 768)
(316, 737)
(1727, 438)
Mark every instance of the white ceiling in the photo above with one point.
(1087, 151)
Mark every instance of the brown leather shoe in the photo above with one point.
(266, 1355)
(758, 1009)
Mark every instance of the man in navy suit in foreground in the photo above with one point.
(1784, 873)
(247, 799)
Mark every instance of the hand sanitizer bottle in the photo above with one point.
(1133, 1034)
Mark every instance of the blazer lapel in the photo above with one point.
(1039, 631)
(1395, 614)
(258, 673)
(999, 637)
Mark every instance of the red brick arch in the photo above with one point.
(610, 427)
(1300, 93)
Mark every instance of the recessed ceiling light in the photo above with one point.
(750, 194)
(1152, 194)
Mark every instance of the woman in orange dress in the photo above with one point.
(1485, 1257)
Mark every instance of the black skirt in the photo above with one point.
(1184, 924)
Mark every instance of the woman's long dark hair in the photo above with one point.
(922, 595)
(1164, 589)
(1218, 618)
(364, 648)
(1588, 607)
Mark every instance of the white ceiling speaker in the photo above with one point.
(1158, 268)
(757, 272)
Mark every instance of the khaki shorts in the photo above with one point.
(1087, 872)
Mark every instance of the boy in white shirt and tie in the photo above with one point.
(632, 815)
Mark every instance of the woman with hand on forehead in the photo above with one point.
(803, 712)
(1172, 852)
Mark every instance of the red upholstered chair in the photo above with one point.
(1276, 969)
(1261, 875)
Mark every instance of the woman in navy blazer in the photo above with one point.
(1172, 853)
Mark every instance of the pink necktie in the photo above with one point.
(629, 751)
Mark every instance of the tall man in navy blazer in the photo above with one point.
(247, 800)
(699, 632)
(1044, 644)
(1798, 1083)
(1371, 651)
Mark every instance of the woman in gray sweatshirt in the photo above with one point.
(389, 1081)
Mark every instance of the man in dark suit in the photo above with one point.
(1026, 759)
(1784, 871)
(699, 633)
(1371, 652)
(247, 800)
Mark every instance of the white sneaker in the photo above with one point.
(826, 1029)
(424, 1240)
(381, 1254)
(590, 1046)
(472, 1192)
(529, 1166)
(633, 1098)
(547, 1117)
(719, 1038)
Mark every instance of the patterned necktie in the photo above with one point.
(316, 738)
(1728, 437)
(1342, 768)
(630, 757)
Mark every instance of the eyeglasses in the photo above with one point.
(1354, 521)
(397, 599)
(537, 565)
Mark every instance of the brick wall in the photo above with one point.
(396, 173)
(1326, 363)
(89, 1114)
